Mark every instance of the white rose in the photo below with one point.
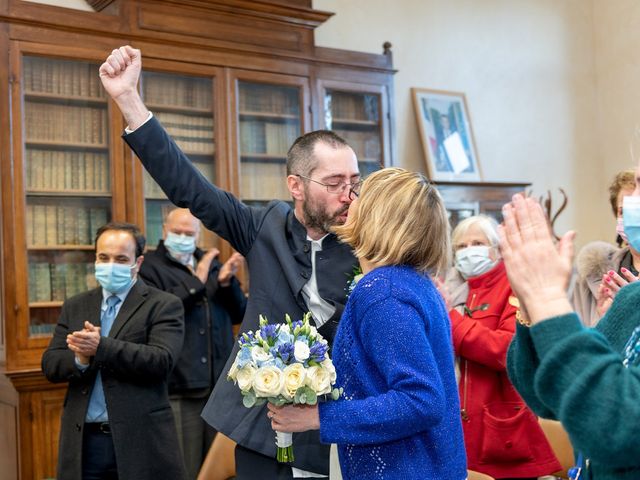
(245, 377)
(259, 356)
(313, 331)
(233, 371)
(294, 376)
(268, 382)
(301, 351)
(319, 380)
(327, 365)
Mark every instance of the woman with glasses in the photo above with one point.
(398, 417)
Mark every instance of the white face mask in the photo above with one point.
(474, 261)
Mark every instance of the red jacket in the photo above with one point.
(502, 436)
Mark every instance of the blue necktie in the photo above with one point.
(97, 411)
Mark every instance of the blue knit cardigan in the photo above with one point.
(399, 417)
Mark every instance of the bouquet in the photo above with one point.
(282, 364)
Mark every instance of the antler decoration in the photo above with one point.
(552, 217)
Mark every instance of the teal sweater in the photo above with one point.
(573, 374)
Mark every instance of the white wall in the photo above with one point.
(528, 71)
(617, 37)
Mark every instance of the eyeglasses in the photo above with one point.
(338, 188)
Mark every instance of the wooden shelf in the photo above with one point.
(52, 304)
(180, 109)
(58, 145)
(269, 115)
(263, 158)
(344, 122)
(61, 247)
(67, 193)
(57, 98)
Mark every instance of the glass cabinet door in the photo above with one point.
(184, 104)
(269, 120)
(359, 113)
(67, 179)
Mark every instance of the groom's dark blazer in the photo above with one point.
(278, 255)
(135, 361)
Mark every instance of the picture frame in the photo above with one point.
(446, 134)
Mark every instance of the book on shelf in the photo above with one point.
(39, 282)
(264, 180)
(177, 90)
(253, 138)
(46, 122)
(60, 171)
(193, 134)
(61, 77)
(366, 144)
(256, 97)
(63, 225)
(354, 106)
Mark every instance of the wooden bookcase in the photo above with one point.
(234, 82)
(465, 199)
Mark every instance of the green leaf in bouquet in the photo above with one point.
(248, 399)
(260, 401)
(335, 393)
(312, 397)
(263, 320)
(278, 401)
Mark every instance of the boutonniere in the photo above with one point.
(355, 277)
(481, 308)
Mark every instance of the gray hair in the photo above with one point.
(487, 224)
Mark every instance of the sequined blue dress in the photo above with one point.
(399, 417)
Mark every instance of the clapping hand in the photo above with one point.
(538, 270)
(84, 343)
(229, 269)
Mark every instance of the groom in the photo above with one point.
(295, 263)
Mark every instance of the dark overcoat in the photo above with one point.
(135, 361)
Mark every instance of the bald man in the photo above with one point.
(213, 302)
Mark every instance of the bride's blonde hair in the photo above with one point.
(399, 219)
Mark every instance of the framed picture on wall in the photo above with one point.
(446, 134)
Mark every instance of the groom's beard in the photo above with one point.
(318, 218)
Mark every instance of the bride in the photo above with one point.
(398, 417)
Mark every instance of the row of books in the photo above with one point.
(58, 281)
(65, 123)
(61, 77)
(353, 106)
(153, 191)
(177, 90)
(60, 171)
(264, 180)
(267, 98)
(42, 328)
(365, 144)
(267, 137)
(193, 134)
(63, 225)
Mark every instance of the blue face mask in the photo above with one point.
(180, 243)
(114, 277)
(631, 219)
